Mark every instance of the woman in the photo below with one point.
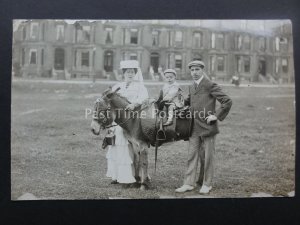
(120, 157)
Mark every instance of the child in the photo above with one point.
(170, 95)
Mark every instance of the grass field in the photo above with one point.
(54, 155)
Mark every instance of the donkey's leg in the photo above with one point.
(135, 159)
(144, 169)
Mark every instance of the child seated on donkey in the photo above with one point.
(170, 95)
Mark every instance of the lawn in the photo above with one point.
(54, 155)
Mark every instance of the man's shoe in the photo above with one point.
(184, 188)
(205, 189)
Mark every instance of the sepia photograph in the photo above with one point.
(152, 109)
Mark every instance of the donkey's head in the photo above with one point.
(102, 114)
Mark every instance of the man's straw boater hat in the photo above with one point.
(196, 63)
(170, 71)
(129, 64)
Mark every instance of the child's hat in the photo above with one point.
(196, 63)
(170, 71)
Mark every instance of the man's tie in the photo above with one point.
(195, 85)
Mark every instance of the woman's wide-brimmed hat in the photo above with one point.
(129, 64)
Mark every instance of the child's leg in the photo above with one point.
(171, 109)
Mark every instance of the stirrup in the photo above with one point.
(160, 134)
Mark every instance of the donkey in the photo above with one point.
(140, 126)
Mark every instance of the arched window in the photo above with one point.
(197, 40)
(59, 59)
(108, 61)
(178, 61)
(154, 61)
(247, 42)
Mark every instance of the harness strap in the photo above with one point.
(127, 119)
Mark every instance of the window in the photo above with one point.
(133, 36)
(247, 42)
(213, 40)
(197, 40)
(277, 65)
(60, 29)
(124, 36)
(86, 33)
(220, 41)
(169, 60)
(43, 31)
(284, 65)
(170, 39)
(262, 43)
(59, 59)
(108, 61)
(133, 56)
(277, 40)
(75, 58)
(24, 33)
(239, 42)
(42, 57)
(109, 35)
(247, 64)
(154, 61)
(283, 40)
(212, 63)
(33, 56)
(94, 57)
(85, 59)
(283, 43)
(34, 30)
(178, 62)
(155, 38)
(23, 56)
(239, 64)
(178, 37)
(83, 33)
(221, 63)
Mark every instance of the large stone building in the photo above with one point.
(94, 49)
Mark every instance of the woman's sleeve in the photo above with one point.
(142, 94)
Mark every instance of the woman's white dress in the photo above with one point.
(120, 156)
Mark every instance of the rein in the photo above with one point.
(138, 111)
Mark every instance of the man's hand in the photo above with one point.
(130, 107)
(210, 119)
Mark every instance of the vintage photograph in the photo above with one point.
(152, 109)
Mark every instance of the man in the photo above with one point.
(203, 94)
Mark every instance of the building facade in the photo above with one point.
(60, 50)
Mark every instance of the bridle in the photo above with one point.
(103, 113)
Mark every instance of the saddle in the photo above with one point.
(180, 129)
